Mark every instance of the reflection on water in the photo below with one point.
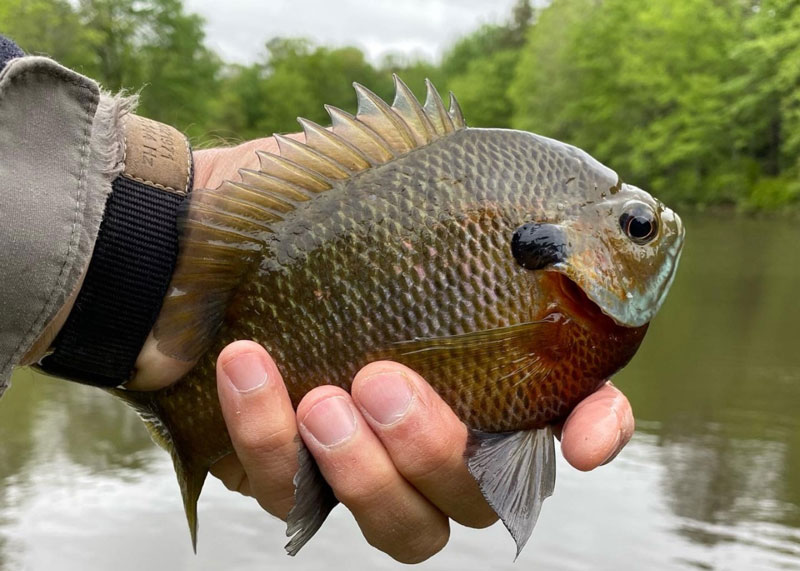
(711, 481)
(727, 385)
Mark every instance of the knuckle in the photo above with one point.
(429, 442)
(277, 504)
(238, 484)
(419, 547)
(428, 458)
(251, 438)
(481, 520)
(361, 494)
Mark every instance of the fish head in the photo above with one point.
(623, 252)
(616, 242)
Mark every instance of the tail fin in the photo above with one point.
(191, 474)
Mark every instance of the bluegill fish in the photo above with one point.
(514, 272)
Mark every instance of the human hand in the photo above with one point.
(392, 450)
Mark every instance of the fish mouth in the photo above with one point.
(573, 301)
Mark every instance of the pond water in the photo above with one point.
(710, 481)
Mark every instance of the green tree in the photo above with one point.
(698, 101)
(641, 85)
(180, 71)
(482, 90)
(480, 68)
(767, 106)
(153, 45)
(115, 27)
(295, 79)
(52, 28)
(147, 45)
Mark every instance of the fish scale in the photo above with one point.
(390, 236)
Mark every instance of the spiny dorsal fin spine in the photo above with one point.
(333, 146)
(276, 186)
(408, 108)
(455, 113)
(374, 112)
(229, 218)
(310, 158)
(260, 198)
(434, 109)
(234, 205)
(206, 230)
(280, 167)
(362, 136)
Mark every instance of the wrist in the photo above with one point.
(132, 261)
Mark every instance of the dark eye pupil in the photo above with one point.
(639, 224)
(639, 227)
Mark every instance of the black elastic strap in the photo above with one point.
(131, 266)
(8, 51)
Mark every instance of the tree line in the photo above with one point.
(696, 100)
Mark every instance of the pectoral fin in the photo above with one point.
(527, 349)
(313, 501)
(516, 472)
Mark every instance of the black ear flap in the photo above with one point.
(536, 246)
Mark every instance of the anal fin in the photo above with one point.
(191, 480)
(516, 472)
(190, 473)
(313, 501)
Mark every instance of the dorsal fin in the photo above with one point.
(455, 113)
(336, 149)
(410, 111)
(434, 109)
(224, 230)
(374, 112)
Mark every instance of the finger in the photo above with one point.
(597, 429)
(392, 515)
(230, 471)
(261, 424)
(424, 438)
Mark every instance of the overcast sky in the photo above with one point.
(238, 29)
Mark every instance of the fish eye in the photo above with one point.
(639, 223)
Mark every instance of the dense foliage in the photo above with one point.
(697, 100)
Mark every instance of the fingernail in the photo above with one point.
(386, 397)
(246, 372)
(330, 421)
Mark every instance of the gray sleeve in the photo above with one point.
(61, 146)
